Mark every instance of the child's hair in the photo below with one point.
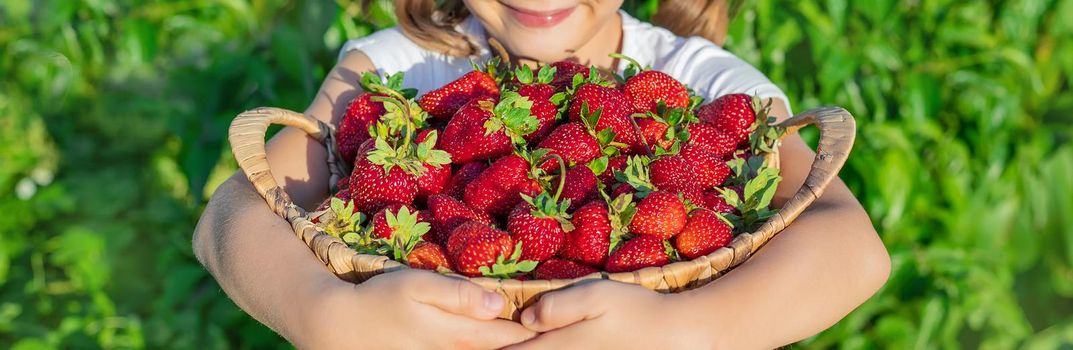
(431, 25)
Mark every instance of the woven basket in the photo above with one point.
(247, 137)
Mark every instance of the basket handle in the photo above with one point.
(247, 138)
(837, 132)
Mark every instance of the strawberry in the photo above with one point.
(561, 269)
(704, 232)
(540, 224)
(400, 232)
(609, 108)
(538, 90)
(434, 181)
(709, 137)
(709, 170)
(474, 245)
(483, 129)
(361, 113)
(579, 186)
(565, 72)
(496, 190)
(672, 174)
(465, 174)
(442, 103)
(637, 253)
(447, 213)
(428, 256)
(573, 142)
(372, 187)
(590, 240)
(660, 214)
(713, 200)
(733, 114)
(646, 88)
(476, 249)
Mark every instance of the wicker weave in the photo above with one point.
(247, 137)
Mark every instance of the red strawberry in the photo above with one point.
(448, 213)
(646, 89)
(610, 108)
(371, 187)
(709, 137)
(540, 224)
(483, 129)
(704, 232)
(565, 72)
(496, 190)
(672, 174)
(637, 253)
(590, 240)
(579, 186)
(733, 114)
(428, 256)
(660, 215)
(381, 228)
(573, 143)
(714, 201)
(442, 103)
(561, 269)
(708, 169)
(465, 174)
(434, 181)
(473, 245)
(354, 127)
(623, 189)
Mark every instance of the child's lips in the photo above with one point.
(540, 19)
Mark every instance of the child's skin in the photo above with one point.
(829, 261)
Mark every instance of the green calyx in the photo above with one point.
(544, 75)
(406, 232)
(371, 82)
(512, 115)
(509, 267)
(544, 206)
(605, 137)
(764, 136)
(411, 158)
(620, 212)
(344, 218)
(759, 190)
(636, 174)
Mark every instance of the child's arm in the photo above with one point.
(825, 264)
(275, 278)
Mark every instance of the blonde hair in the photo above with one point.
(431, 23)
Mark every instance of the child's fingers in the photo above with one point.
(455, 295)
(565, 307)
(474, 334)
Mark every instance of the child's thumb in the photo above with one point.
(458, 296)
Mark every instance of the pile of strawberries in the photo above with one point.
(555, 173)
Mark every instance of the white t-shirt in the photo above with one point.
(707, 68)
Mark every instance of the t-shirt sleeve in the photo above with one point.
(712, 72)
(389, 50)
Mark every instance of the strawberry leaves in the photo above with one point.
(758, 191)
(512, 115)
(509, 267)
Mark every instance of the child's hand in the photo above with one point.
(411, 309)
(611, 315)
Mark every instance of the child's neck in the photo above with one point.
(596, 51)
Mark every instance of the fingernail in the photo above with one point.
(528, 318)
(493, 302)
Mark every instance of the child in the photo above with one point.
(807, 278)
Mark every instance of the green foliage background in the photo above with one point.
(113, 115)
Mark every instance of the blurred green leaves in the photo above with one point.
(113, 115)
